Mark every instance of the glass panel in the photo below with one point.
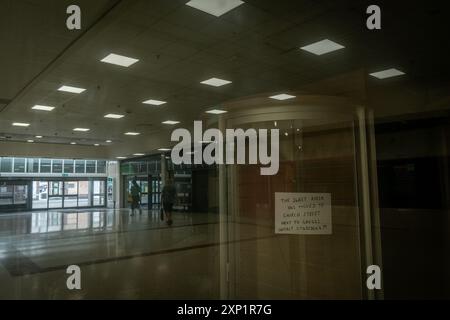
(20, 194)
(57, 166)
(317, 161)
(144, 190)
(19, 165)
(6, 165)
(46, 165)
(33, 166)
(55, 194)
(40, 195)
(79, 166)
(99, 193)
(83, 194)
(68, 166)
(55, 202)
(70, 194)
(101, 166)
(90, 166)
(6, 195)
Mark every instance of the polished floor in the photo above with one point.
(140, 257)
(121, 256)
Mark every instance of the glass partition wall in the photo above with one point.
(305, 232)
(59, 194)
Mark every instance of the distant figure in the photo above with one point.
(135, 192)
(168, 197)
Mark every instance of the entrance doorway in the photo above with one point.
(144, 183)
(70, 194)
(14, 196)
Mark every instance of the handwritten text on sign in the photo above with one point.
(303, 213)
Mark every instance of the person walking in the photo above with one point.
(135, 193)
(168, 197)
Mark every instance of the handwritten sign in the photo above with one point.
(303, 213)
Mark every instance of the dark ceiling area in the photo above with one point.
(256, 46)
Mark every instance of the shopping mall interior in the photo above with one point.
(363, 117)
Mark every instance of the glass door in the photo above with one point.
(84, 194)
(99, 193)
(70, 194)
(155, 192)
(14, 196)
(55, 196)
(40, 195)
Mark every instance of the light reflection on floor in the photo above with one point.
(120, 256)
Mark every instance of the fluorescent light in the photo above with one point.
(216, 111)
(215, 82)
(81, 129)
(20, 124)
(154, 102)
(321, 47)
(73, 143)
(164, 149)
(282, 97)
(388, 73)
(96, 145)
(30, 141)
(132, 133)
(139, 154)
(119, 60)
(121, 158)
(215, 7)
(38, 137)
(108, 141)
(71, 89)
(170, 122)
(43, 108)
(114, 116)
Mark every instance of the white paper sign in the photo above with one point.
(303, 213)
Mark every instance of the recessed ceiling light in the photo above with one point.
(30, 141)
(73, 143)
(108, 141)
(114, 116)
(20, 124)
(215, 7)
(38, 137)
(215, 82)
(139, 154)
(388, 73)
(216, 111)
(121, 158)
(119, 60)
(132, 133)
(71, 89)
(43, 108)
(81, 129)
(282, 97)
(164, 149)
(170, 122)
(322, 47)
(154, 102)
(96, 145)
